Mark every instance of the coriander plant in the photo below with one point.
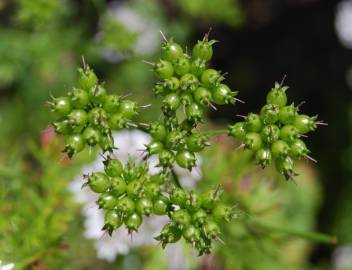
(188, 87)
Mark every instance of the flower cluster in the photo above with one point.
(275, 133)
(6, 266)
(88, 114)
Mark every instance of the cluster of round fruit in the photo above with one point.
(175, 142)
(196, 218)
(127, 193)
(275, 133)
(88, 114)
(187, 80)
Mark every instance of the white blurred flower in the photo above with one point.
(148, 36)
(129, 144)
(7, 266)
(178, 258)
(188, 179)
(343, 23)
(342, 258)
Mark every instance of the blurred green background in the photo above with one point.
(41, 45)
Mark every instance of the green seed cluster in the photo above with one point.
(196, 218)
(275, 133)
(187, 80)
(127, 193)
(189, 86)
(88, 114)
(175, 142)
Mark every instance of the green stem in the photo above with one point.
(100, 6)
(143, 127)
(215, 132)
(312, 236)
(175, 178)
